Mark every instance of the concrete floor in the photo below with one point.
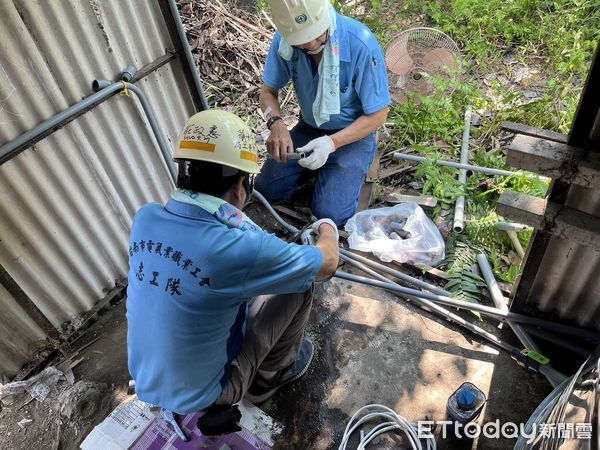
(375, 348)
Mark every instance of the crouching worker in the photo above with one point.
(216, 307)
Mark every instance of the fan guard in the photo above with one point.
(416, 52)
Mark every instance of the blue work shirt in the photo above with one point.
(190, 280)
(363, 77)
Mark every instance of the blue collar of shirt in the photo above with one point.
(342, 33)
(186, 210)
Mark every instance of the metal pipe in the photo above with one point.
(485, 310)
(157, 131)
(486, 271)
(396, 274)
(459, 206)
(456, 165)
(188, 53)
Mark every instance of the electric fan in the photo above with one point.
(415, 55)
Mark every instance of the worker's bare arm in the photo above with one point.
(328, 244)
(279, 142)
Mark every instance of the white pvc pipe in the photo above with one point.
(459, 206)
(512, 235)
(511, 226)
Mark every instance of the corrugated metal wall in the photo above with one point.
(68, 201)
(20, 335)
(562, 279)
(568, 281)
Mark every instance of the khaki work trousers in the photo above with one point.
(275, 327)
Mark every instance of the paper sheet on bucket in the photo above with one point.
(133, 426)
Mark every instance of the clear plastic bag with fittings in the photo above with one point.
(402, 233)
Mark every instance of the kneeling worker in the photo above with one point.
(337, 69)
(216, 307)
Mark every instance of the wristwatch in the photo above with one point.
(272, 120)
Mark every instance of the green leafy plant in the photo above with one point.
(557, 36)
(463, 282)
(440, 182)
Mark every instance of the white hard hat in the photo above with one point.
(218, 137)
(300, 21)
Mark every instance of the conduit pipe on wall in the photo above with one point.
(101, 85)
(48, 126)
(16, 146)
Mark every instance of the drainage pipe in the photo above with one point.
(459, 206)
(488, 170)
(101, 85)
(188, 53)
(552, 375)
(519, 331)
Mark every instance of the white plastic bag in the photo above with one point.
(419, 243)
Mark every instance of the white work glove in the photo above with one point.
(315, 226)
(321, 149)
